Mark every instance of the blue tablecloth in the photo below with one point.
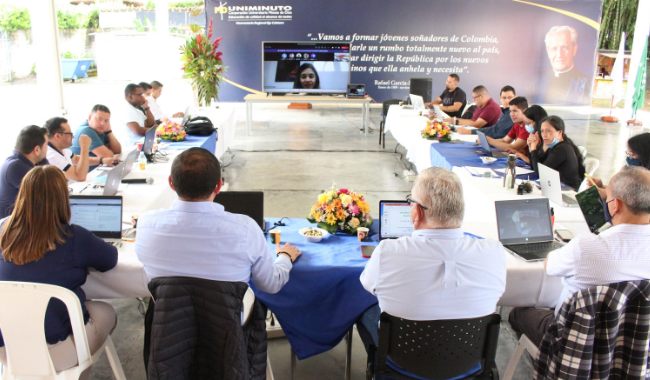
(207, 142)
(466, 154)
(324, 296)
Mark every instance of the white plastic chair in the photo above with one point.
(583, 151)
(249, 301)
(523, 344)
(591, 164)
(22, 312)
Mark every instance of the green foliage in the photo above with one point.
(618, 16)
(147, 26)
(203, 65)
(186, 4)
(70, 55)
(150, 5)
(69, 20)
(14, 18)
(92, 20)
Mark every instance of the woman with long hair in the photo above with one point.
(532, 121)
(307, 77)
(559, 152)
(38, 244)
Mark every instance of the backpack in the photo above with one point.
(199, 126)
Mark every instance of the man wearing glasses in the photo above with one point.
(133, 122)
(487, 111)
(504, 124)
(75, 167)
(438, 272)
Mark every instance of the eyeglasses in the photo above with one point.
(477, 96)
(140, 94)
(630, 154)
(409, 200)
(67, 133)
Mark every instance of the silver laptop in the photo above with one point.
(486, 146)
(549, 180)
(113, 179)
(130, 160)
(186, 116)
(525, 228)
(440, 114)
(100, 214)
(417, 102)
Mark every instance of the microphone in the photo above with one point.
(148, 181)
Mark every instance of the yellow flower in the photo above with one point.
(354, 223)
(322, 198)
(331, 194)
(363, 206)
(346, 200)
(317, 216)
(331, 219)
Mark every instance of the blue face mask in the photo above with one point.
(554, 143)
(530, 128)
(634, 161)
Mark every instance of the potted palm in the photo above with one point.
(203, 64)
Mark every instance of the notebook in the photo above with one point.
(525, 228)
(100, 214)
(250, 203)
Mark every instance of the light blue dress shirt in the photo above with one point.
(201, 239)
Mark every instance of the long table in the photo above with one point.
(263, 98)
(224, 119)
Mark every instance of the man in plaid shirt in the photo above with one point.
(617, 254)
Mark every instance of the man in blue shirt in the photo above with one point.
(197, 238)
(31, 150)
(98, 127)
(504, 124)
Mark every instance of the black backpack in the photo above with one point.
(199, 126)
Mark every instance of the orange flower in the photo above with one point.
(337, 203)
(340, 214)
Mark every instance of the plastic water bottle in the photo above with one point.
(142, 161)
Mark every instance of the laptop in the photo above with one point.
(149, 139)
(356, 91)
(592, 209)
(130, 160)
(100, 214)
(525, 228)
(113, 179)
(440, 114)
(186, 116)
(250, 203)
(549, 180)
(486, 146)
(417, 102)
(394, 219)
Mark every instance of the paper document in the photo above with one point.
(478, 171)
(518, 170)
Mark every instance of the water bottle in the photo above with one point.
(142, 161)
(510, 173)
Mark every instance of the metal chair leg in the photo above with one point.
(294, 359)
(348, 355)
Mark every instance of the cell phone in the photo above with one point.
(366, 250)
(564, 235)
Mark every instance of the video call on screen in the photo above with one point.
(523, 220)
(395, 220)
(97, 215)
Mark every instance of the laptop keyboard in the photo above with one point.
(499, 154)
(569, 200)
(546, 246)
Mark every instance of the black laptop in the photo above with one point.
(250, 203)
(525, 228)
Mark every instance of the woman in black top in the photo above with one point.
(559, 152)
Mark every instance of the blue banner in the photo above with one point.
(546, 50)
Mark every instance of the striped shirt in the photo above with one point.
(618, 254)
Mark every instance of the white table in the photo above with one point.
(256, 98)
(223, 118)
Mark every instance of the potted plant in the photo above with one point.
(203, 64)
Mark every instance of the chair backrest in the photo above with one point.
(591, 164)
(22, 315)
(602, 331)
(386, 105)
(249, 302)
(583, 151)
(439, 349)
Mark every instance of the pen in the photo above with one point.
(84, 188)
(591, 180)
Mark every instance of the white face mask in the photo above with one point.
(530, 128)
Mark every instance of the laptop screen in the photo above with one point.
(394, 219)
(524, 221)
(250, 203)
(484, 143)
(149, 139)
(101, 215)
(356, 90)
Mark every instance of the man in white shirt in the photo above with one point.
(438, 272)
(615, 255)
(75, 167)
(135, 116)
(197, 238)
(156, 91)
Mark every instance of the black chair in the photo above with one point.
(440, 349)
(386, 104)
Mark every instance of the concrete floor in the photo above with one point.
(292, 156)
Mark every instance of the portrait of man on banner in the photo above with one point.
(563, 83)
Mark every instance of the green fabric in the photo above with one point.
(639, 83)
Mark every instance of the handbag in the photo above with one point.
(199, 126)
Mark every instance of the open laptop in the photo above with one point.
(356, 91)
(486, 146)
(147, 146)
(593, 210)
(549, 180)
(394, 219)
(100, 214)
(130, 160)
(417, 102)
(113, 178)
(440, 114)
(250, 203)
(525, 228)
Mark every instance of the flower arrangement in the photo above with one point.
(437, 130)
(170, 131)
(342, 210)
(203, 64)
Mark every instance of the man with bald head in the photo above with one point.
(487, 111)
(615, 255)
(565, 84)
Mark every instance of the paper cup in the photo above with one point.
(134, 220)
(275, 236)
(138, 146)
(362, 233)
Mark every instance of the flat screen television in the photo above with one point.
(311, 67)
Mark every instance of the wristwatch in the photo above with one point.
(107, 132)
(145, 109)
(287, 254)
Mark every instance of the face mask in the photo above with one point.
(554, 143)
(608, 216)
(634, 161)
(530, 128)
